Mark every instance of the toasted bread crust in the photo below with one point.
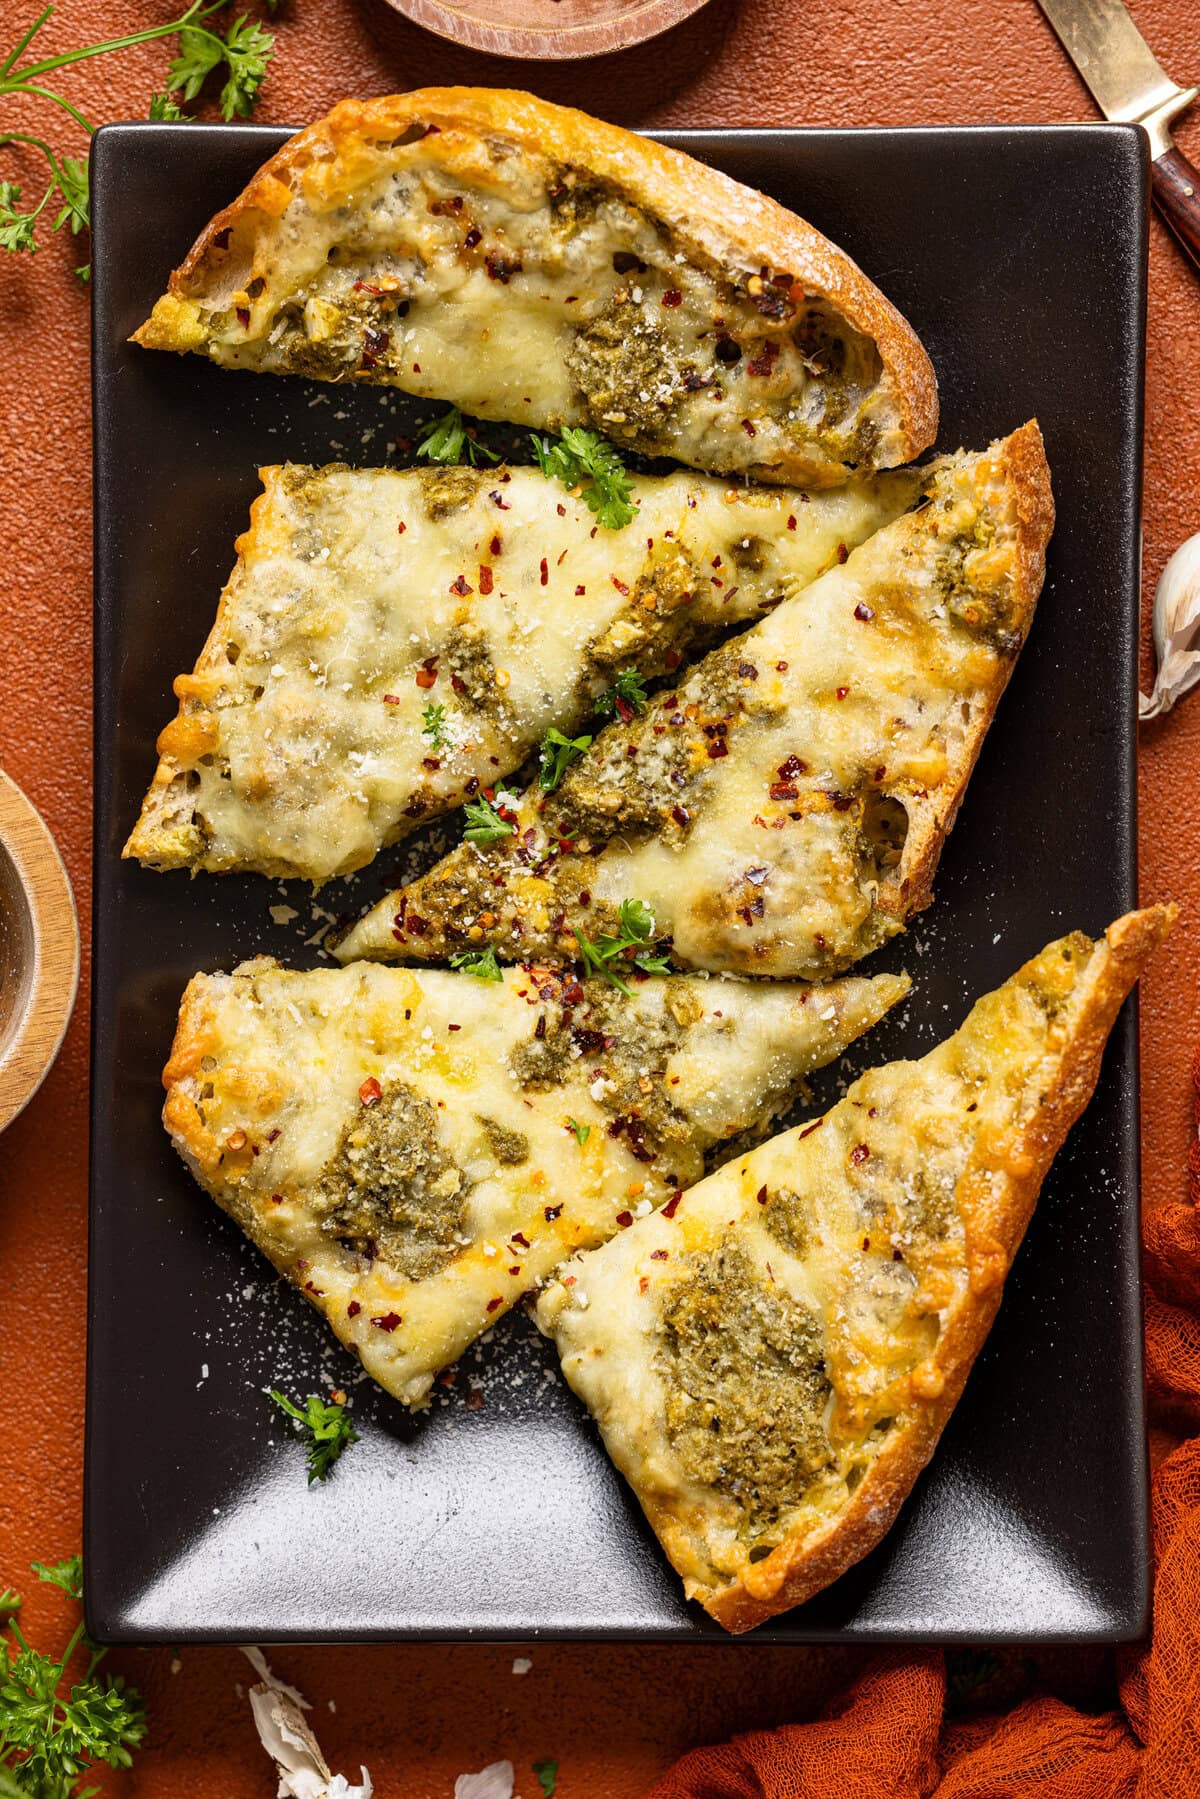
(718, 218)
(996, 1223)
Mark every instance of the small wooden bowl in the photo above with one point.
(39, 950)
(547, 30)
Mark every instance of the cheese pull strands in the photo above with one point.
(532, 264)
(416, 1151)
(393, 643)
(781, 810)
(772, 1359)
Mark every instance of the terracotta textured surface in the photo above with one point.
(612, 1715)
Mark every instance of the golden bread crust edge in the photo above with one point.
(794, 1573)
(1026, 471)
(691, 197)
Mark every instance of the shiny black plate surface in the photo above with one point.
(1019, 255)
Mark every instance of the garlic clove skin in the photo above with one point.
(1176, 631)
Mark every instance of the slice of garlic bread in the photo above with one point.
(532, 264)
(416, 1150)
(772, 1359)
(393, 640)
(782, 809)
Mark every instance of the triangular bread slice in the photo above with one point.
(368, 605)
(772, 1360)
(536, 265)
(782, 809)
(416, 1150)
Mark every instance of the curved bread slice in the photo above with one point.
(364, 600)
(772, 1361)
(415, 1151)
(783, 809)
(536, 265)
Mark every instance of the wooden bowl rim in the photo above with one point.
(597, 37)
(29, 1053)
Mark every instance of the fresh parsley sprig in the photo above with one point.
(481, 963)
(580, 1132)
(557, 754)
(52, 1734)
(244, 52)
(625, 699)
(433, 725)
(327, 1428)
(585, 460)
(450, 439)
(487, 822)
(607, 956)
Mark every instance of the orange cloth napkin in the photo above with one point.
(889, 1736)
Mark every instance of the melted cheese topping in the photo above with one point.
(762, 807)
(363, 597)
(416, 1151)
(476, 270)
(840, 1252)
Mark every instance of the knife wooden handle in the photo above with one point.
(1176, 188)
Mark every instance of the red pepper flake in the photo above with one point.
(681, 815)
(863, 613)
(496, 546)
(474, 236)
(658, 1255)
(503, 268)
(370, 1092)
(746, 670)
(809, 1129)
(761, 1195)
(494, 1304)
(514, 1270)
(748, 428)
(672, 297)
(272, 1135)
(450, 204)
(387, 1321)
(401, 528)
(624, 1219)
(391, 699)
(317, 1292)
(672, 1204)
(243, 317)
(781, 668)
(485, 578)
(545, 568)
(550, 1213)
(783, 790)
(671, 660)
(765, 361)
(859, 1154)
(277, 1199)
(841, 693)
(843, 553)
(374, 344)
(580, 590)
(454, 1027)
(503, 504)
(791, 524)
(619, 585)
(461, 586)
(717, 748)
(518, 1237)
(353, 1309)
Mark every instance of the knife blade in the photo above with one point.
(1130, 86)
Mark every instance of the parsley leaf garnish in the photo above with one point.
(626, 696)
(245, 50)
(607, 955)
(481, 963)
(547, 1773)
(585, 460)
(16, 227)
(166, 107)
(582, 1131)
(450, 439)
(51, 1737)
(433, 725)
(484, 824)
(557, 754)
(327, 1427)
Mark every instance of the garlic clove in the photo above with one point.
(1176, 631)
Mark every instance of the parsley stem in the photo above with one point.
(24, 43)
(192, 16)
(45, 93)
